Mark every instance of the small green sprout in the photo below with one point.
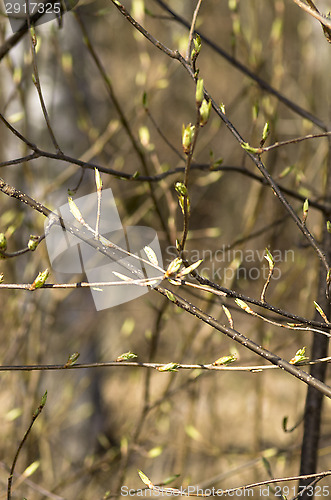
(187, 137)
(126, 356)
(299, 356)
(40, 280)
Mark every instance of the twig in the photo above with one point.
(245, 342)
(152, 365)
(36, 80)
(241, 67)
(186, 210)
(313, 11)
(149, 178)
(119, 109)
(296, 327)
(192, 30)
(292, 141)
(27, 432)
(10, 255)
(214, 492)
(24, 198)
(256, 159)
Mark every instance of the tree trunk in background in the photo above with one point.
(314, 400)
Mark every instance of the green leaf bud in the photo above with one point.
(204, 112)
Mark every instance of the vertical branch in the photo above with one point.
(192, 30)
(126, 125)
(36, 80)
(27, 432)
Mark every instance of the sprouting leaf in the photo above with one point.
(299, 356)
(228, 315)
(40, 280)
(98, 181)
(126, 356)
(33, 242)
(31, 469)
(217, 163)
(197, 47)
(170, 295)
(199, 92)
(320, 310)
(187, 137)
(43, 399)
(75, 210)
(244, 306)
(184, 203)
(197, 43)
(121, 276)
(41, 405)
(305, 210)
(173, 267)
(204, 112)
(222, 107)
(190, 268)
(145, 479)
(270, 259)
(250, 149)
(225, 360)
(169, 367)
(266, 131)
(328, 226)
(72, 359)
(181, 188)
(151, 255)
(3, 242)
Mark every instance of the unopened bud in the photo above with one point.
(187, 137)
(3, 242)
(204, 112)
(181, 188)
(266, 131)
(33, 242)
(199, 92)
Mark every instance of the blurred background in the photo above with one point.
(216, 429)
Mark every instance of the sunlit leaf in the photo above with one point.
(151, 255)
